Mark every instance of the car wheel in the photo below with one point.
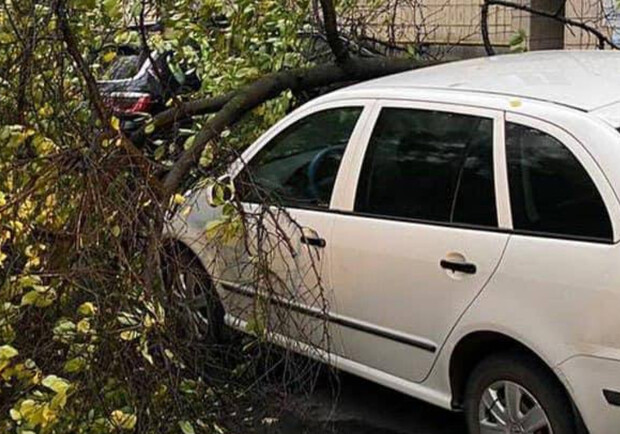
(513, 393)
(199, 314)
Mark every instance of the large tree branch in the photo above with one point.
(330, 22)
(270, 87)
(557, 16)
(184, 111)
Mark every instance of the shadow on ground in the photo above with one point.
(362, 407)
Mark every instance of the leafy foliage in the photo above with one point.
(87, 342)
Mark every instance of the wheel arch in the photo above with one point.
(474, 347)
(192, 247)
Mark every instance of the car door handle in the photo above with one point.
(314, 241)
(461, 267)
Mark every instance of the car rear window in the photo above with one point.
(550, 191)
(123, 67)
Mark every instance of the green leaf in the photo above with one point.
(39, 297)
(76, 364)
(64, 328)
(189, 142)
(207, 157)
(112, 7)
(149, 128)
(186, 427)
(159, 152)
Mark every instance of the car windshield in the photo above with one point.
(123, 67)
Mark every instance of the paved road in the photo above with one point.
(366, 408)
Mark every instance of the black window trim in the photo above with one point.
(463, 226)
(370, 114)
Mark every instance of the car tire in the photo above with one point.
(199, 313)
(508, 391)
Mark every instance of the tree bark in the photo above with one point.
(330, 23)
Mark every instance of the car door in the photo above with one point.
(421, 233)
(286, 183)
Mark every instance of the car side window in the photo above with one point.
(431, 166)
(550, 191)
(298, 167)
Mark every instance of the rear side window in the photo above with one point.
(431, 166)
(550, 192)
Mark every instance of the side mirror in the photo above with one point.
(221, 191)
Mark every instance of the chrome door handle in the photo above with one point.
(461, 267)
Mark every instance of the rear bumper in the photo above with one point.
(587, 378)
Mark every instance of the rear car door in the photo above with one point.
(420, 234)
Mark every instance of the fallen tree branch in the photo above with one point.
(270, 87)
(602, 39)
(184, 111)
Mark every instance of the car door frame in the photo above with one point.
(345, 203)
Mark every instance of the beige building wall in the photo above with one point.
(457, 22)
(592, 13)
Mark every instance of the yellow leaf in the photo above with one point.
(123, 420)
(30, 298)
(57, 384)
(116, 231)
(515, 103)
(27, 407)
(129, 335)
(87, 309)
(186, 211)
(178, 199)
(58, 401)
(83, 326)
(7, 352)
(116, 123)
(109, 56)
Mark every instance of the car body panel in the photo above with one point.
(557, 296)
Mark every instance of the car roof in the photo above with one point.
(585, 80)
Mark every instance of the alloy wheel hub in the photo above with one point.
(508, 408)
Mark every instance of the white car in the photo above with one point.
(467, 219)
